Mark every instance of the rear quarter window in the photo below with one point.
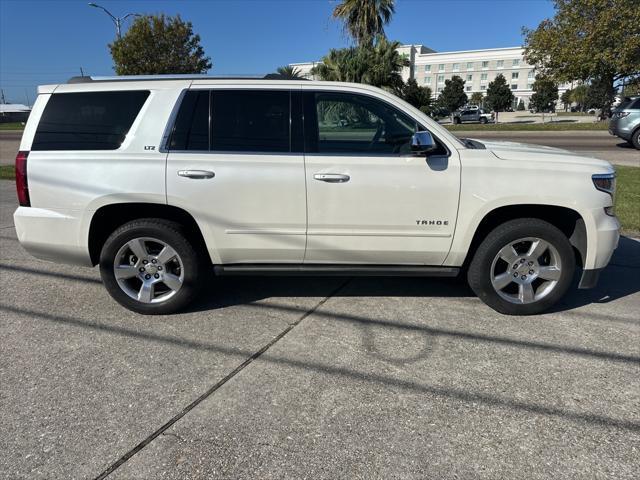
(88, 120)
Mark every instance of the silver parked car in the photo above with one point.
(625, 121)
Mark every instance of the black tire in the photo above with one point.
(635, 139)
(481, 271)
(191, 265)
(456, 120)
(483, 120)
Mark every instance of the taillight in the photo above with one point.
(21, 179)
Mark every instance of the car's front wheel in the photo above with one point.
(150, 266)
(522, 267)
(483, 120)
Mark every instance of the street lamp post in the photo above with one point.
(116, 20)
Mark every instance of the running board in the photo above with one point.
(337, 270)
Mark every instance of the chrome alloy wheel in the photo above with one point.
(526, 270)
(148, 270)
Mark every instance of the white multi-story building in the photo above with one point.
(476, 67)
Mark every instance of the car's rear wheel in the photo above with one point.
(150, 266)
(522, 267)
(456, 120)
(635, 138)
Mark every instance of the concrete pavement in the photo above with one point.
(314, 378)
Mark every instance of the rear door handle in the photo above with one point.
(332, 177)
(196, 173)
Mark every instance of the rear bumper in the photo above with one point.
(52, 235)
(622, 131)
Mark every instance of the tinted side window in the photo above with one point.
(350, 123)
(246, 121)
(191, 129)
(88, 120)
(635, 105)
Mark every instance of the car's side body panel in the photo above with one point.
(255, 209)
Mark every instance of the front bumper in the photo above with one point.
(589, 278)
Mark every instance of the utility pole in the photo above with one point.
(117, 21)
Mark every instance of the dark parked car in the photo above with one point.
(472, 115)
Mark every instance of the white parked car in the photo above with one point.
(158, 179)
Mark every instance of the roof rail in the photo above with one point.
(123, 78)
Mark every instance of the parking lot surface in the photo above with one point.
(314, 378)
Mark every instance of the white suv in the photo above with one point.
(157, 179)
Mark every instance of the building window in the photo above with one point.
(427, 68)
(532, 74)
(514, 86)
(427, 80)
(456, 67)
(469, 65)
(439, 89)
(530, 86)
(441, 67)
(516, 62)
(483, 87)
(467, 88)
(483, 77)
(469, 78)
(440, 78)
(515, 75)
(485, 65)
(500, 64)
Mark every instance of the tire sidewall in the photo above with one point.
(172, 235)
(635, 139)
(479, 274)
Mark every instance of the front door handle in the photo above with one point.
(196, 173)
(332, 177)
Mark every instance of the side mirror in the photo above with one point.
(422, 142)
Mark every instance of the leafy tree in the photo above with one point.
(378, 65)
(364, 20)
(579, 96)
(156, 44)
(416, 95)
(288, 72)
(453, 96)
(588, 39)
(632, 88)
(521, 107)
(545, 94)
(566, 100)
(477, 98)
(499, 95)
(598, 95)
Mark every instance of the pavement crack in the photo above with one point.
(160, 431)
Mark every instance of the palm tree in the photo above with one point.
(364, 20)
(380, 66)
(289, 73)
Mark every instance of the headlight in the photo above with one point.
(605, 182)
(620, 114)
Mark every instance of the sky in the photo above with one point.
(48, 41)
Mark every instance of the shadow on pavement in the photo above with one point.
(620, 279)
(469, 396)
